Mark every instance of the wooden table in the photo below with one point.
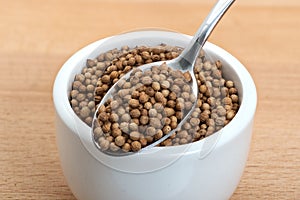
(36, 37)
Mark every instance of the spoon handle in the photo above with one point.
(189, 56)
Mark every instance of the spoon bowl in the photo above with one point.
(115, 94)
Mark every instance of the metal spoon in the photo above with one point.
(184, 62)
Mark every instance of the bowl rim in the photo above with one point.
(243, 116)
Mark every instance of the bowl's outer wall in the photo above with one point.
(214, 177)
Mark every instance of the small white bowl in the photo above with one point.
(208, 169)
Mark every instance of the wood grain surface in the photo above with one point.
(37, 37)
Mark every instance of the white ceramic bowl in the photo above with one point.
(208, 169)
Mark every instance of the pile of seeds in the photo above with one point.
(217, 101)
(101, 73)
(143, 109)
